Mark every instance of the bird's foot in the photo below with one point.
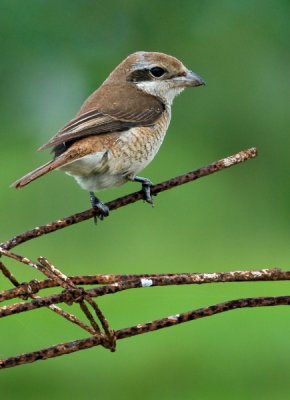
(100, 207)
(146, 187)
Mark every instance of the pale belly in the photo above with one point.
(112, 167)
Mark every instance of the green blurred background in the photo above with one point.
(53, 55)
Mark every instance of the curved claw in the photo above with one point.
(97, 204)
(146, 187)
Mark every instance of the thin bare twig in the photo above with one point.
(68, 284)
(55, 274)
(70, 296)
(131, 198)
(8, 274)
(29, 293)
(82, 344)
(157, 280)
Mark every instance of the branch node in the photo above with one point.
(109, 341)
(74, 295)
(29, 288)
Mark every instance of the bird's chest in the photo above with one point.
(135, 148)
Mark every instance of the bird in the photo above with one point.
(120, 127)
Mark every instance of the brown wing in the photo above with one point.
(126, 107)
(101, 121)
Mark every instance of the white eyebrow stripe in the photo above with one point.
(145, 65)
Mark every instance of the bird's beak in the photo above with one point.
(193, 79)
(189, 79)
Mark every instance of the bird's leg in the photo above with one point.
(98, 205)
(146, 187)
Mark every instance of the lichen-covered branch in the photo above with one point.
(126, 282)
(82, 344)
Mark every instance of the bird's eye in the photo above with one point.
(157, 72)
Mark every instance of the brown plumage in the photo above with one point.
(121, 126)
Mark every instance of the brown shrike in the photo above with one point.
(120, 127)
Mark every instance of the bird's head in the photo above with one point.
(157, 74)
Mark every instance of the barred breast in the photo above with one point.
(118, 156)
(137, 147)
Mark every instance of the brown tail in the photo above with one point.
(31, 176)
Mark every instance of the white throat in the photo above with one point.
(162, 89)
